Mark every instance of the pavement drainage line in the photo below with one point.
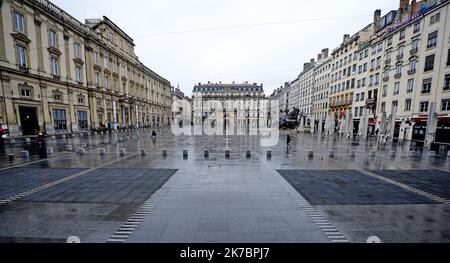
(124, 232)
(57, 182)
(430, 196)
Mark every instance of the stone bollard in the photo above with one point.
(12, 141)
(373, 153)
(353, 153)
(185, 154)
(431, 154)
(25, 154)
(27, 140)
(101, 133)
(331, 154)
(227, 154)
(50, 151)
(392, 154)
(63, 136)
(143, 152)
(53, 137)
(248, 154)
(164, 153)
(310, 154)
(95, 133)
(83, 145)
(11, 157)
(81, 151)
(123, 152)
(269, 154)
(69, 148)
(206, 154)
(102, 151)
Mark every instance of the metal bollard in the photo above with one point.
(63, 136)
(185, 154)
(11, 157)
(83, 145)
(310, 154)
(206, 154)
(53, 137)
(392, 154)
(143, 152)
(269, 154)
(227, 154)
(25, 154)
(248, 154)
(102, 151)
(353, 153)
(373, 153)
(81, 151)
(12, 141)
(50, 150)
(431, 154)
(27, 140)
(331, 154)
(123, 152)
(164, 153)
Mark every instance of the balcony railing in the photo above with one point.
(413, 51)
(398, 75)
(411, 71)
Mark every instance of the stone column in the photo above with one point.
(38, 22)
(2, 39)
(11, 117)
(67, 56)
(72, 113)
(47, 121)
(93, 110)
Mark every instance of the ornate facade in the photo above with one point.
(61, 76)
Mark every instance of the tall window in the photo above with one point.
(78, 73)
(398, 69)
(18, 22)
(416, 27)
(415, 44)
(445, 105)
(59, 119)
(426, 86)
(402, 34)
(82, 120)
(97, 79)
(435, 18)
(429, 63)
(410, 86)
(412, 65)
(432, 39)
(447, 82)
(408, 105)
(96, 57)
(21, 55)
(107, 82)
(52, 37)
(395, 104)
(54, 66)
(106, 61)
(423, 107)
(77, 50)
(448, 57)
(389, 41)
(396, 88)
(385, 90)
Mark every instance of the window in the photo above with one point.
(435, 18)
(97, 79)
(429, 63)
(77, 50)
(447, 82)
(363, 96)
(398, 69)
(59, 119)
(408, 105)
(432, 39)
(81, 100)
(78, 73)
(415, 45)
(380, 47)
(96, 57)
(426, 87)
(106, 61)
(18, 22)
(416, 27)
(21, 55)
(389, 41)
(423, 107)
(54, 66)
(412, 65)
(445, 105)
(383, 107)
(52, 38)
(24, 92)
(401, 50)
(448, 57)
(82, 120)
(410, 86)
(377, 78)
(396, 88)
(402, 34)
(57, 96)
(107, 82)
(385, 90)
(394, 104)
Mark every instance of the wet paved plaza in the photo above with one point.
(288, 197)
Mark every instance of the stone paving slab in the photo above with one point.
(431, 181)
(118, 186)
(16, 180)
(347, 187)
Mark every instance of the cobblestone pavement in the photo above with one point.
(288, 196)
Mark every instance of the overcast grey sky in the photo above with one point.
(271, 54)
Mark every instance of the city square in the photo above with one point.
(287, 197)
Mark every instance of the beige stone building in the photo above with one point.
(321, 90)
(61, 76)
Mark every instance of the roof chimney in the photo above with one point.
(305, 66)
(414, 7)
(346, 37)
(404, 4)
(376, 16)
(311, 62)
(325, 53)
(319, 57)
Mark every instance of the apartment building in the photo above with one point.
(61, 76)
(306, 88)
(321, 89)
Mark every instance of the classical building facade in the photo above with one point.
(231, 106)
(306, 87)
(321, 89)
(61, 76)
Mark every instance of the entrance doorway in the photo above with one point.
(28, 120)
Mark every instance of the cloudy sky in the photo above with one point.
(264, 41)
